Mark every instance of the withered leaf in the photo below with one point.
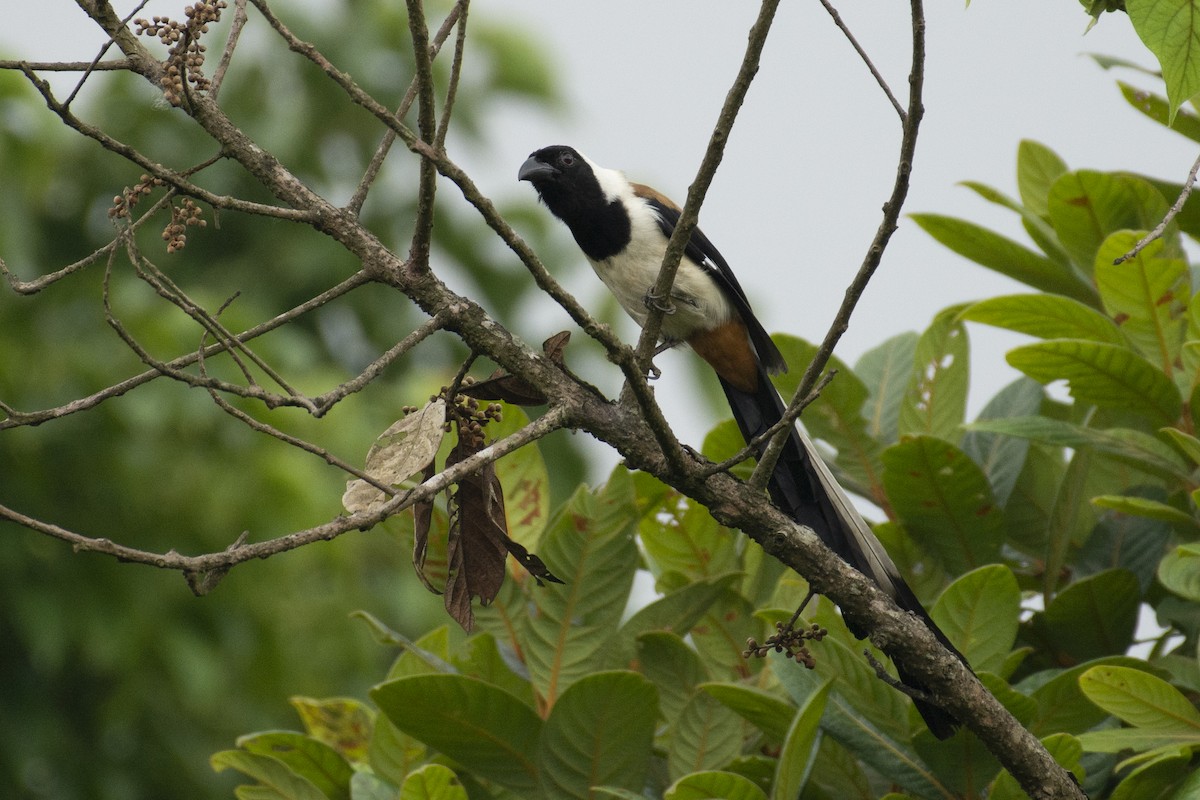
(532, 564)
(422, 519)
(518, 391)
(477, 540)
(404, 449)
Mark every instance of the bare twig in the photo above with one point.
(158, 170)
(460, 46)
(837, 20)
(879, 243)
(389, 137)
(23, 418)
(328, 400)
(235, 33)
(91, 67)
(1172, 212)
(552, 420)
(67, 66)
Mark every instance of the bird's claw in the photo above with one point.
(656, 302)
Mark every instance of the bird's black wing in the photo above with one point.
(704, 253)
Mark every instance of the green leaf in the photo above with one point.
(1038, 167)
(760, 708)
(935, 402)
(673, 667)
(1156, 107)
(325, 767)
(368, 786)
(1171, 30)
(273, 774)
(1105, 375)
(1093, 617)
(980, 612)
(1151, 509)
(944, 502)
(886, 371)
(1147, 295)
(1035, 225)
(855, 684)
(600, 732)
(706, 735)
(340, 722)
(1045, 316)
(1130, 542)
(712, 785)
(1133, 447)
(721, 635)
(800, 747)
(1062, 706)
(1003, 457)
(990, 249)
(1189, 444)
(1140, 699)
(677, 611)
(862, 739)
(432, 782)
(681, 536)
(1086, 206)
(1179, 571)
(470, 721)
(589, 545)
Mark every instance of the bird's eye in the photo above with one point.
(567, 160)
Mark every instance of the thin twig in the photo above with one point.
(837, 20)
(331, 398)
(684, 227)
(554, 418)
(235, 33)
(67, 66)
(460, 46)
(874, 255)
(158, 170)
(22, 418)
(389, 137)
(95, 61)
(427, 126)
(1172, 212)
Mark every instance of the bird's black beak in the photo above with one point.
(534, 170)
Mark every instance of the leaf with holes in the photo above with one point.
(935, 402)
(1105, 375)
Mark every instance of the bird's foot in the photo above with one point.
(656, 302)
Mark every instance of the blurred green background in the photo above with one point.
(115, 681)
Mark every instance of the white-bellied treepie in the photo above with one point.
(623, 229)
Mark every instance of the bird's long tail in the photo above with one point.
(803, 487)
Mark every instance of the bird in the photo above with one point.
(623, 228)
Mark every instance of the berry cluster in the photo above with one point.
(185, 54)
(470, 417)
(184, 215)
(789, 641)
(128, 198)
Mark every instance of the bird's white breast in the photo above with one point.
(697, 300)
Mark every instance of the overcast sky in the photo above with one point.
(812, 156)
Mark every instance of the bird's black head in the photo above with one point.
(569, 186)
(565, 181)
